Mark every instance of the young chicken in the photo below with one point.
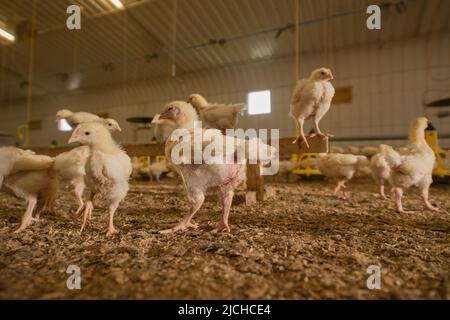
(27, 176)
(13, 160)
(223, 177)
(380, 171)
(412, 165)
(70, 167)
(341, 167)
(155, 170)
(336, 149)
(285, 167)
(352, 150)
(108, 169)
(199, 178)
(312, 99)
(162, 128)
(75, 118)
(164, 125)
(214, 115)
(369, 152)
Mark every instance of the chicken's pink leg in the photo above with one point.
(340, 185)
(319, 132)
(28, 215)
(112, 209)
(186, 222)
(301, 135)
(227, 199)
(398, 194)
(425, 191)
(382, 194)
(78, 191)
(88, 208)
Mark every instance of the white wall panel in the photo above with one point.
(388, 83)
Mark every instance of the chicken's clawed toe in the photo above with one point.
(111, 231)
(222, 228)
(180, 227)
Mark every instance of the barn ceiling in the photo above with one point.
(124, 46)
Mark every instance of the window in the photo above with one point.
(63, 125)
(259, 102)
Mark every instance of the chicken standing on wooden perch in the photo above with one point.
(27, 176)
(215, 115)
(108, 169)
(76, 118)
(198, 178)
(412, 165)
(312, 99)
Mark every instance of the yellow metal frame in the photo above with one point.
(308, 170)
(431, 136)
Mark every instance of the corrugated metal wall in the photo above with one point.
(390, 83)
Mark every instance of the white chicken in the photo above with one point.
(108, 169)
(13, 160)
(198, 178)
(162, 128)
(352, 150)
(412, 165)
(369, 152)
(215, 115)
(336, 149)
(312, 99)
(164, 125)
(27, 176)
(75, 118)
(380, 171)
(341, 167)
(155, 170)
(70, 167)
(285, 167)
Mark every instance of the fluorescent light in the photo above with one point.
(117, 3)
(8, 36)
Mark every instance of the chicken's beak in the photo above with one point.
(118, 128)
(331, 76)
(75, 137)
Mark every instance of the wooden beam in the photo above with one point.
(255, 183)
(316, 145)
(286, 148)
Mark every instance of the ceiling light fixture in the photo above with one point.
(6, 35)
(117, 3)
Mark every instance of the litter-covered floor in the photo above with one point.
(304, 243)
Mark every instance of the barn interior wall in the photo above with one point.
(390, 82)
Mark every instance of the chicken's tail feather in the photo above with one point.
(33, 162)
(392, 157)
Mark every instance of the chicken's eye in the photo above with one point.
(109, 124)
(87, 133)
(322, 72)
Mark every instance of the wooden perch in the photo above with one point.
(316, 145)
(255, 184)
